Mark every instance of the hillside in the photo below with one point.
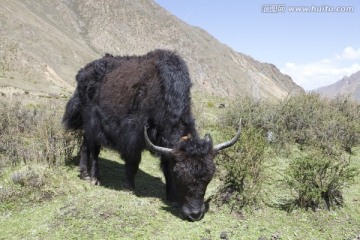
(44, 43)
(346, 86)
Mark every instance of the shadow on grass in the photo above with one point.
(112, 175)
(286, 205)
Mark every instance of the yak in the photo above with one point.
(132, 103)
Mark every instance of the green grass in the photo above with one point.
(78, 210)
(42, 202)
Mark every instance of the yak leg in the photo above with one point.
(84, 160)
(94, 154)
(169, 179)
(131, 168)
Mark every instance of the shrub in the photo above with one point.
(28, 177)
(310, 120)
(33, 149)
(317, 179)
(34, 182)
(259, 114)
(306, 120)
(348, 123)
(34, 134)
(321, 129)
(244, 170)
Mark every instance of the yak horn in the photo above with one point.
(154, 148)
(231, 142)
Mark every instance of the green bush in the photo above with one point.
(348, 122)
(244, 170)
(310, 120)
(317, 179)
(306, 120)
(259, 114)
(322, 129)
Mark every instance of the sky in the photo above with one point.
(315, 42)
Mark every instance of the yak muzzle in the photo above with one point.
(193, 213)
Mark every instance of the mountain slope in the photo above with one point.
(44, 43)
(346, 86)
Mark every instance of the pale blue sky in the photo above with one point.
(315, 48)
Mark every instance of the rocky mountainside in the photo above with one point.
(349, 86)
(43, 44)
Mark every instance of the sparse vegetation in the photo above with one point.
(42, 195)
(34, 134)
(33, 147)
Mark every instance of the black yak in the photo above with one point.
(136, 102)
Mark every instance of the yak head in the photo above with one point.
(193, 168)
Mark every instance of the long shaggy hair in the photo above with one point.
(156, 94)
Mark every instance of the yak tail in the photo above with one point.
(72, 119)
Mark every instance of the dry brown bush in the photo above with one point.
(34, 134)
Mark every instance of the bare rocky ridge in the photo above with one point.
(43, 44)
(348, 86)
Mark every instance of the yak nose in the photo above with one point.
(194, 214)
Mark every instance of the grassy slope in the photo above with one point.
(79, 210)
(107, 212)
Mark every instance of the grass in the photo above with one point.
(41, 200)
(84, 211)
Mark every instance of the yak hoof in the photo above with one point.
(86, 178)
(85, 175)
(128, 187)
(95, 182)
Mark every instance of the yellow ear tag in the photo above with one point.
(185, 138)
